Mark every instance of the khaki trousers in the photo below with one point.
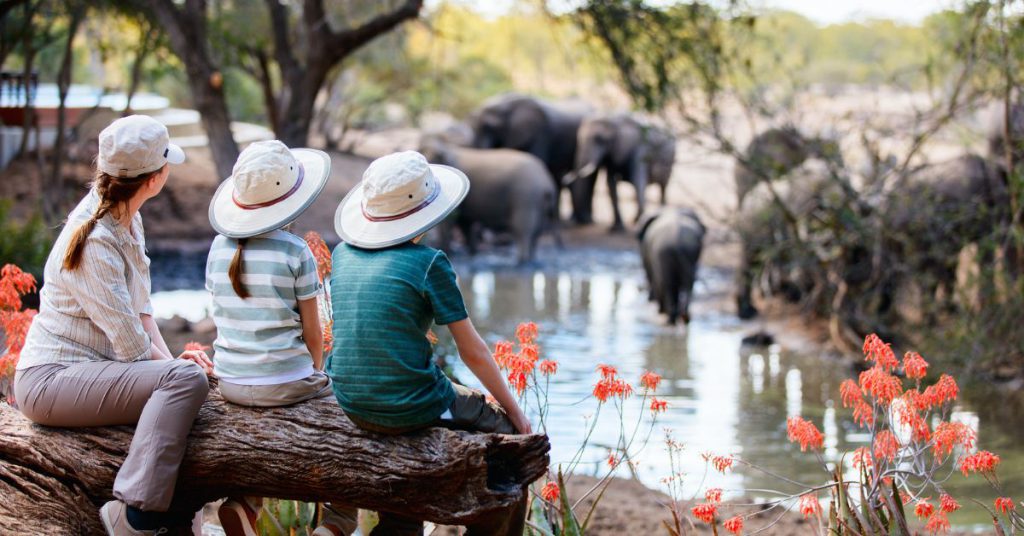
(472, 412)
(161, 398)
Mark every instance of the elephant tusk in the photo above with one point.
(584, 171)
(569, 178)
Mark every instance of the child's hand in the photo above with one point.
(200, 358)
(520, 421)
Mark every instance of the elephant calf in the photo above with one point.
(670, 244)
(510, 191)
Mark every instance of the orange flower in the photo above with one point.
(517, 380)
(321, 253)
(721, 463)
(809, 505)
(863, 414)
(14, 283)
(548, 367)
(980, 462)
(613, 460)
(431, 337)
(804, 432)
(650, 380)
(658, 406)
(193, 346)
(948, 504)
(609, 386)
(944, 390)
(879, 352)
(550, 492)
(503, 353)
(734, 524)
(937, 523)
(1004, 504)
(705, 512)
(914, 366)
(923, 509)
(529, 352)
(328, 337)
(713, 495)
(526, 332)
(862, 458)
(849, 391)
(886, 446)
(949, 435)
(607, 371)
(880, 384)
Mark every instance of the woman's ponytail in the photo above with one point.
(235, 270)
(73, 255)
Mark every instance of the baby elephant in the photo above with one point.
(670, 245)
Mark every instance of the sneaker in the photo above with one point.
(115, 521)
(238, 518)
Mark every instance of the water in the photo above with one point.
(591, 308)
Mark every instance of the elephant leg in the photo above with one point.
(613, 193)
(638, 176)
(744, 283)
(582, 193)
(672, 292)
(664, 193)
(469, 231)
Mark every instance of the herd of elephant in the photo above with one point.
(519, 152)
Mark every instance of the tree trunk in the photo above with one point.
(54, 202)
(53, 480)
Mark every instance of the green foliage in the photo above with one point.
(25, 244)
(286, 518)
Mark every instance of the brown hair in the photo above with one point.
(113, 191)
(235, 271)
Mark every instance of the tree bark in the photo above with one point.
(54, 203)
(53, 480)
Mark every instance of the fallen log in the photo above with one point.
(53, 480)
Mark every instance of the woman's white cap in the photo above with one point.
(400, 197)
(135, 145)
(269, 187)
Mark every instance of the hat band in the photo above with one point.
(286, 195)
(430, 199)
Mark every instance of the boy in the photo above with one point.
(386, 290)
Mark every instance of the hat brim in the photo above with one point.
(233, 221)
(355, 229)
(174, 154)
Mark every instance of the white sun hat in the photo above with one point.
(269, 187)
(136, 145)
(400, 197)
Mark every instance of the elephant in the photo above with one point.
(626, 149)
(936, 211)
(510, 191)
(524, 123)
(670, 244)
(774, 153)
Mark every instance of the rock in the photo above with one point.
(204, 327)
(175, 324)
(761, 338)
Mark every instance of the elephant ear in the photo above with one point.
(644, 222)
(525, 122)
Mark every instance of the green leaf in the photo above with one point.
(540, 517)
(570, 525)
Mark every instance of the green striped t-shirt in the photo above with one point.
(259, 339)
(384, 302)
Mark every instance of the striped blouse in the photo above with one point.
(92, 313)
(259, 339)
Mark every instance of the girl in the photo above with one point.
(269, 346)
(93, 355)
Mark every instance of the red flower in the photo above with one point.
(879, 352)
(949, 435)
(1004, 504)
(613, 460)
(550, 492)
(503, 353)
(863, 414)
(517, 380)
(526, 332)
(880, 384)
(804, 432)
(548, 367)
(431, 337)
(809, 505)
(328, 336)
(937, 523)
(944, 390)
(529, 352)
(705, 512)
(923, 509)
(713, 495)
(320, 252)
(914, 366)
(650, 380)
(849, 391)
(721, 463)
(607, 371)
(862, 458)
(948, 504)
(886, 446)
(979, 462)
(14, 283)
(734, 524)
(609, 386)
(658, 406)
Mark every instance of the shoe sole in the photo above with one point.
(235, 521)
(106, 524)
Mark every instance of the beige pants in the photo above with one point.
(161, 398)
(318, 385)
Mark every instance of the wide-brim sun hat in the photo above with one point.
(400, 197)
(270, 185)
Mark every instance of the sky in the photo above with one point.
(820, 11)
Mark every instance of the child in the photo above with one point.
(269, 347)
(386, 290)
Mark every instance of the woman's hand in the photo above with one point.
(200, 358)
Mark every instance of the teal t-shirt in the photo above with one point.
(384, 302)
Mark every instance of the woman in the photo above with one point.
(93, 355)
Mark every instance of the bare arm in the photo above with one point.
(311, 331)
(159, 346)
(477, 357)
